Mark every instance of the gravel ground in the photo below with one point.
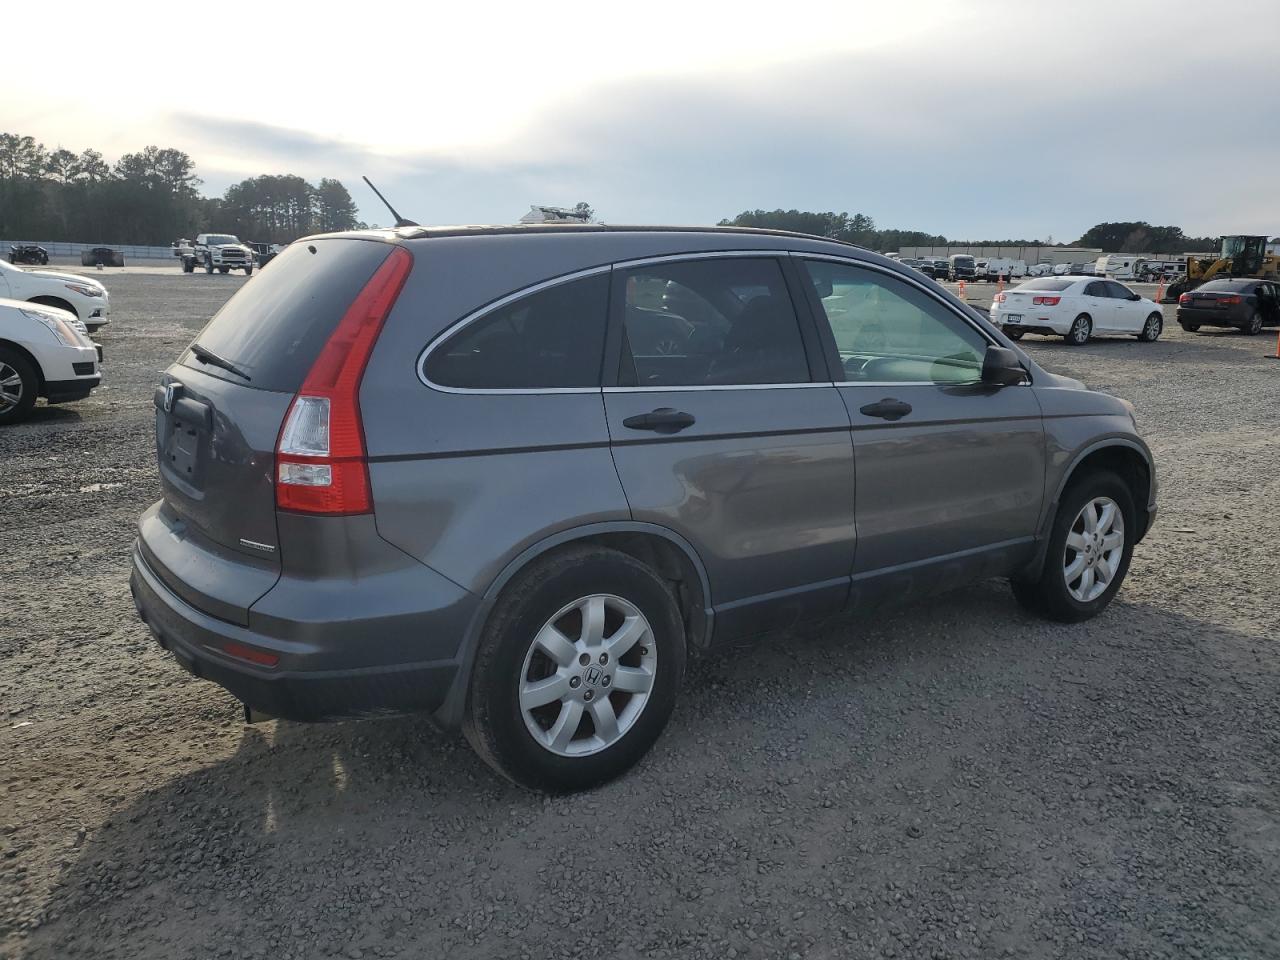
(960, 780)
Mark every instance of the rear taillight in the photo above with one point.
(1184, 299)
(1000, 298)
(1232, 300)
(321, 463)
(1045, 301)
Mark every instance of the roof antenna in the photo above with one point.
(400, 221)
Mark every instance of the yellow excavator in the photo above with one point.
(1241, 256)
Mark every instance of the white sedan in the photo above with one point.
(46, 352)
(1076, 308)
(84, 297)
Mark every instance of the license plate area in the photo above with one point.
(180, 451)
(1013, 318)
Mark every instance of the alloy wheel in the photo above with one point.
(1094, 549)
(588, 675)
(10, 387)
(1153, 328)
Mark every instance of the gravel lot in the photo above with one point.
(958, 781)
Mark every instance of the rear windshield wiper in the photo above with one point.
(205, 355)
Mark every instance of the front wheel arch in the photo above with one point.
(1119, 455)
(56, 302)
(26, 355)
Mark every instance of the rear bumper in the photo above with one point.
(290, 691)
(1210, 318)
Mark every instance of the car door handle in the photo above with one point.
(662, 420)
(886, 409)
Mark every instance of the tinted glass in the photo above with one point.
(276, 324)
(1097, 289)
(888, 331)
(550, 339)
(1227, 286)
(710, 322)
(1118, 291)
(1045, 283)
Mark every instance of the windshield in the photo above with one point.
(1046, 283)
(962, 261)
(219, 239)
(1228, 286)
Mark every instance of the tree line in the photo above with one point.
(860, 229)
(152, 197)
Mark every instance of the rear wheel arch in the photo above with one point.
(663, 550)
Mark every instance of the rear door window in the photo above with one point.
(276, 324)
(1118, 291)
(1097, 289)
(710, 322)
(550, 339)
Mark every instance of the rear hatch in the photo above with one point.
(213, 537)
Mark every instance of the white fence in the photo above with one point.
(73, 250)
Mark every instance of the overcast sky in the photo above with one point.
(972, 119)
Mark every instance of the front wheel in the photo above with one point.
(208, 268)
(1151, 329)
(1081, 329)
(1253, 326)
(577, 671)
(248, 271)
(1090, 545)
(18, 385)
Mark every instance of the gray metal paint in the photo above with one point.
(964, 469)
(762, 483)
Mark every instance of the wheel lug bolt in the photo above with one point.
(575, 682)
(606, 681)
(644, 651)
(589, 695)
(584, 659)
(604, 658)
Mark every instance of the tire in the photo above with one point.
(1190, 327)
(188, 266)
(18, 386)
(1152, 328)
(503, 732)
(1081, 328)
(1253, 326)
(208, 266)
(1051, 596)
(224, 269)
(56, 303)
(248, 271)
(1015, 334)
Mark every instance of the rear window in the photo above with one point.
(277, 323)
(1228, 286)
(1046, 283)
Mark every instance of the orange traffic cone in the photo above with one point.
(960, 290)
(1276, 355)
(1160, 291)
(999, 284)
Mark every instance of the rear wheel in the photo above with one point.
(18, 386)
(1253, 326)
(1191, 327)
(1014, 334)
(577, 671)
(1090, 545)
(1151, 329)
(1081, 329)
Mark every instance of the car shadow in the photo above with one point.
(52, 413)
(795, 759)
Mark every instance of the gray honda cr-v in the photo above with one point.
(512, 476)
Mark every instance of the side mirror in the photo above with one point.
(1001, 366)
(1135, 296)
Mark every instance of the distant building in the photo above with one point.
(1029, 253)
(540, 214)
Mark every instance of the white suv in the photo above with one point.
(46, 352)
(83, 297)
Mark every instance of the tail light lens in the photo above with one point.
(321, 462)
(1046, 301)
(1184, 299)
(1000, 298)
